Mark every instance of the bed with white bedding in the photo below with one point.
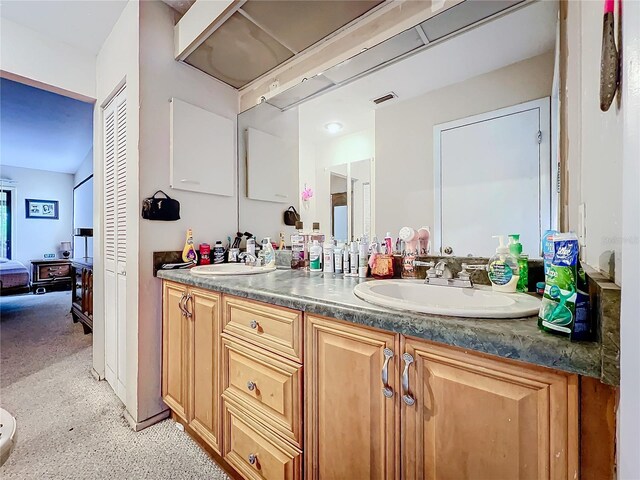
(14, 277)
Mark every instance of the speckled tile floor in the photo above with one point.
(69, 425)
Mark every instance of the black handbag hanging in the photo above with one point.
(291, 216)
(166, 209)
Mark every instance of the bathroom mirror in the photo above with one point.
(460, 135)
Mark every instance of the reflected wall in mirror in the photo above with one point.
(466, 144)
(268, 144)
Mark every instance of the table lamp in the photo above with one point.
(65, 247)
(86, 233)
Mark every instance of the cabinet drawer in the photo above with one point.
(256, 453)
(265, 386)
(53, 271)
(276, 329)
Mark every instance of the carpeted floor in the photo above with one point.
(69, 425)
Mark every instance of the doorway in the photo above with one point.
(7, 217)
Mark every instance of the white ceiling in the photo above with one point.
(43, 130)
(522, 34)
(84, 24)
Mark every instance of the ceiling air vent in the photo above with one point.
(384, 98)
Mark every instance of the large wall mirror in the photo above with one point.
(452, 124)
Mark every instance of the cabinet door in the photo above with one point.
(175, 337)
(204, 394)
(350, 424)
(475, 417)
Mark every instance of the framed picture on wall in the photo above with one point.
(42, 208)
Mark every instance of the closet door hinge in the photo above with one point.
(539, 136)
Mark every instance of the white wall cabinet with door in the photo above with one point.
(493, 177)
(115, 241)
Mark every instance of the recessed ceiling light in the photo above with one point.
(333, 127)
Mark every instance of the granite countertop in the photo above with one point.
(332, 296)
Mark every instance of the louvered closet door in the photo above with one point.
(115, 241)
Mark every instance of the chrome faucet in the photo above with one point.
(440, 274)
(249, 259)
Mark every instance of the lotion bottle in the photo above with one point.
(328, 262)
(189, 251)
(315, 257)
(504, 272)
(268, 253)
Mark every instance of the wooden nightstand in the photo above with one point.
(82, 297)
(50, 275)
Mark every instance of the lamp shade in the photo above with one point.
(64, 246)
(83, 232)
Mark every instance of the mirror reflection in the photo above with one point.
(466, 148)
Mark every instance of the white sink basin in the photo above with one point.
(230, 269)
(477, 302)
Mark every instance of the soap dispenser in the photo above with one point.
(504, 272)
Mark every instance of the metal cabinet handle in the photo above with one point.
(251, 386)
(387, 391)
(184, 295)
(253, 324)
(188, 312)
(253, 458)
(406, 396)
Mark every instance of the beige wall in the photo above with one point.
(404, 136)
(594, 144)
(211, 217)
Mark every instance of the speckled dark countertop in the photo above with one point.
(333, 296)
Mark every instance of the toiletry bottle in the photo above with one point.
(363, 258)
(218, 252)
(314, 235)
(327, 262)
(337, 259)
(503, 269)
(388, 244)
(424, 236)
(315, 257)
(345, 260)
(515, 248)
(297, 247)
(189, 251)
(267, 253)
(353, 259)
(251, 246)
(205, 252)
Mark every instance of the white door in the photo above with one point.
(493, 177)
(115, 241)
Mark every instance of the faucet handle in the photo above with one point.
(466, 268)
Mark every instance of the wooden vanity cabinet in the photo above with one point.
(452, 415)
(351, 424)
(191, 358)
(468, 416)
(377, 405)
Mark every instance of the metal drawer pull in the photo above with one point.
(406, 396)
(186, 310)
(184, 295)
(387, 391)
(251, 386)
(253, 324)
(253, 458)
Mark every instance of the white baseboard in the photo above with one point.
(137, 426)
